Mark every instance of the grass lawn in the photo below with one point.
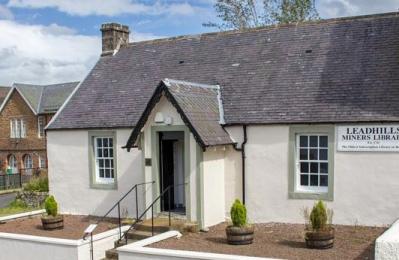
(10, 210)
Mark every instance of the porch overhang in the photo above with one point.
(198, 105)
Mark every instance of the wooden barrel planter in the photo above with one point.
(51, 223)
(240, 235)
(322, 239)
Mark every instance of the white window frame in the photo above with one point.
(101, 159)
(309, 188)
(40, 126)
(28, 161)
(42, 162)
(12, 162)
(17, 128)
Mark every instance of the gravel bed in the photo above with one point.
(278, 240)
(74, 225)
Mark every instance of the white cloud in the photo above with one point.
(5, 13)
(105, 7)
(47, 54)
(339, 8)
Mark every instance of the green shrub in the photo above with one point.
(39, 184)
(17, 203)
(318, 216)
(238, 214)
(51, 206)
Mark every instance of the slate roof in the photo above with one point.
(197, 104)
(3, 93)
(45, 99)
(338, 70)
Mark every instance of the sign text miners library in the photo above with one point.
(368, 138)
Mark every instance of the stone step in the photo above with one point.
(139, 235)
(147, 227)
(111, 254)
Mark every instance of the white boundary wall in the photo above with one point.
(387, 245)
(138, 251)
(26, 247)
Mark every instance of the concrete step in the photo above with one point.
(111, 254)
(139, 235)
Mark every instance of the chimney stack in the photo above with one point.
(114, 36)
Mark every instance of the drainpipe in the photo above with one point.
(242, 150)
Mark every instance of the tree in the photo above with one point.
(241, 14)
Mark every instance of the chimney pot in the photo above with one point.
(114, 36)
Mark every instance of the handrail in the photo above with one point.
(167, 189)
(117, 204)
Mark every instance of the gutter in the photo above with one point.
(243, 157)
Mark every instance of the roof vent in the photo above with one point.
(308, 51)
(181, 62)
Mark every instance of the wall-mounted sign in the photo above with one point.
(368, 138)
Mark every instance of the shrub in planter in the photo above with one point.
(240, 233)
(52, 220)
(320, 233)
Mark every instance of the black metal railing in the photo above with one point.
(168, 191)
(118, 206)
(16, 180)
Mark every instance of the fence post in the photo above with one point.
(20, 179)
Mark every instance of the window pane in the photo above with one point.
(323, 141)
(313, 141)
(99, 143)
(100, 152)
(314, 180)
(101, 163)
(107, 164)
(112, 163)
(105, 142)
(111, 152)
(323, 167)
(303, 154)
(101, 173)
(110, 142)
(107, 173)
(304, 167)
(324, 180)
(303, 141)
(314, 167)
(304, 179)
(105, 152)
(323, 154)
(112, 173)
(313, 154)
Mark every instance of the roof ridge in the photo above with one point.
(267, 27)
(39, 103)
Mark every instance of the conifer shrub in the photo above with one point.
(51, 206)
(238, 214)
(319, 217)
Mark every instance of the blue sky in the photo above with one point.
(48, 41)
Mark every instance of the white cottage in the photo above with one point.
(277, 116)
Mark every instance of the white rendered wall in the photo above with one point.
(47, 248)
(387, 245)
(214, 186)
(366, 184)
(69, 176)
(232, 178)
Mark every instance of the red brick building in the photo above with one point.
(25, 110)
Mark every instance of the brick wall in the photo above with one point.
(16, 107)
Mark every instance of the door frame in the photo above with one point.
(155, 153)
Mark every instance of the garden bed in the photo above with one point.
(74, 226)
(277, 240)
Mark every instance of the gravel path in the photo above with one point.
(285, 241)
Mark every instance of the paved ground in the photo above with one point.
(5, 199)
